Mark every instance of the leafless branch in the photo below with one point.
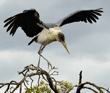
(26, 74)
(82, 86)
(32, 70)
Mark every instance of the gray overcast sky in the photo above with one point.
(89, 44)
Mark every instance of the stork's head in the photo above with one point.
(61, 39)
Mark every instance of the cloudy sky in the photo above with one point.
(89, 44)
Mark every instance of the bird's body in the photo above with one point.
(48, 36)
(46, 33)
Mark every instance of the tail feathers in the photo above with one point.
(35, 38)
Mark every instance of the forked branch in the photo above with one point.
(51, 81)
(26, 74)
(81, 86)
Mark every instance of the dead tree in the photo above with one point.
(47, 76)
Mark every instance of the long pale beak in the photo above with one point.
(65, 45)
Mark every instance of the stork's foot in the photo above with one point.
(49, 64)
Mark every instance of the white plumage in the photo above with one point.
(48, 36)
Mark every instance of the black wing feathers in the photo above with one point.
(27, 21)
(30, 23)
(34, 39)
(83, 15)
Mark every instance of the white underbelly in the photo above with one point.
(48, 36)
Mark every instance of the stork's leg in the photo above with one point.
(39, 52)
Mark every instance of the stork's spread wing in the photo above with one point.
(28, 20)
(83, 15)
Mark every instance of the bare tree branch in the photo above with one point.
(41, 73)
(81, 85)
